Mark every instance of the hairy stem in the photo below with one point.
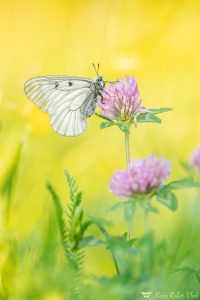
(127, 146)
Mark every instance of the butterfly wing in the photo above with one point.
(64, 99)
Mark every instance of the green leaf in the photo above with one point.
(118, 245)
(167, 198)
(184, 269)
(188, 269)
(99, 223)
(106, 124)
(60, 219)
(187, 167)
(77, 199)
(90, 241)
(185, 183)
(132, 241)
(8, 268)
(73, 187)
(129, 210)
(9, 181)
(198, 274)
(160, 110)
(148, 117)
(125, 236)
(10, 176)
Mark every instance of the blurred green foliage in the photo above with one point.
(50, 261)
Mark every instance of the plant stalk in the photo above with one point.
(115, 263)
(127, 146)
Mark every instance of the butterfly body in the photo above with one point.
(68, 100)
(90, 106)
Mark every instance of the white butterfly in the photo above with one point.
(146, 294)
(68, 100)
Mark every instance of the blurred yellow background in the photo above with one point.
(156, 41)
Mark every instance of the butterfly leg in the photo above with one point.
(101, 98)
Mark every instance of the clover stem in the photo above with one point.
(127, 146)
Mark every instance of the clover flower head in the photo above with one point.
(142, 177)
(195, 159)
(121, 101)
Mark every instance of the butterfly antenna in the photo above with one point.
(96, 69)
(111, 81)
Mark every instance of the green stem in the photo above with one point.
(106, 235)
(115, 263)
(127, 146)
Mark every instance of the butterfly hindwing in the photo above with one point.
(64, 99)
(70, 121)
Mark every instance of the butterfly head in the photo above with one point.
(100, 83)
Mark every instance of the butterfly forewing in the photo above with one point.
(64, 99)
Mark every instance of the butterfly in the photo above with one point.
(146, 295)
(69, 101)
